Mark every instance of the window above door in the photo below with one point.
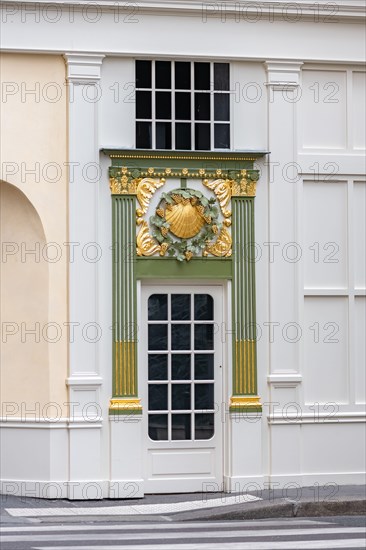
(182, 105)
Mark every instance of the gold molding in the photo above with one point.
(125, 376)
(246, 188)
(245, 366)
(176, 157)
(247, 401)
(128, 404)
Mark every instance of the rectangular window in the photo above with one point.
(182, 105)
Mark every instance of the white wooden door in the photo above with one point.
(180, 376)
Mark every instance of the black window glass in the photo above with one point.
(163, 135)
(202, 76)
(204, 426)
(158, 307)
(183, 136)
(202, 136)
(181, 307)
(143, 135)
(143, 104)
(158, 337)
(158, 397)
(222, 136)
(181, 397)
(181, 426)
(202, 106)
(203, 366)
(143, 74)
(204, 396)
(221, 76)
(222, 107)
(182, 106)
(158, 366)
(181, 366)
(163, 107)
(203, 337)
(163, 74)
(203, 307)
(182, 75)
(181, 337)
(158, 427)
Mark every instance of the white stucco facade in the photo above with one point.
(297, 87)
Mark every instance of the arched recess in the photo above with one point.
(24, 305)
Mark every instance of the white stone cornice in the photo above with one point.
(283, 74)
(82, 68)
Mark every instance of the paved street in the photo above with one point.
(281, 534)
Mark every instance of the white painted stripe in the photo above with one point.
(155, 526)
(163, 508)
(296, 545)
(197, 535)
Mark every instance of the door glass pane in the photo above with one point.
(222, 136)
(158, 366)
(163, 74)
(181, 337)
(158, 337)
(143, 74)
(182, 75)
(158, 397)
(143, 135)
(201, 76)
(203, 366)
(183, 135)
(181, 426)
(182, 106)
(158, 427)
(222, 109)
(203, 307)
(163, 105)
(143, 104)
(181, 366)
(158, 307)
(221, 76)
(181, 307)
(163, 135)
(202, 106)
(203, 336)
(204, 426)
(202, 136)
(181, 397)
(203, 396)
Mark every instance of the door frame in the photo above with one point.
(224, 285)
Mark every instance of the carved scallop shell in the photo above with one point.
(185, 220)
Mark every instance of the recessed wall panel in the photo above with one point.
(359, 232)
(325, 350)
(324, 109)
(360, 349)
(359, 109)
(325, 235)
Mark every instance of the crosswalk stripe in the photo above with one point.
(162, 508)
(156, 526)
(282, 545)
(201, 535)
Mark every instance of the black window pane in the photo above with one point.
(221, 76)
(158, 367)
(183, 136)
(202, 76)
(163, 74)
(158, 337)
(143, 135)
(181, 366)
(203, 396)
(203, 337)
(181, 426)
(163, 135)
(158, 307)
(181, 337)
(222, 136)
(182, 106)
(222, 107)
(202, 137)
(204, 426)
(203, 307)
(181, 397)
(203, 366)
(182, 75)
(143, 104)
(181, 307)
(163, 106)
(158, 427)
(202, 106)
(143, 74)
(158, 397)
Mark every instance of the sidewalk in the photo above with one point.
(299, 502)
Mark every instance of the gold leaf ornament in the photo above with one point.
(145, 190)
(146, 244)
(222, 189)
(222, 247)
